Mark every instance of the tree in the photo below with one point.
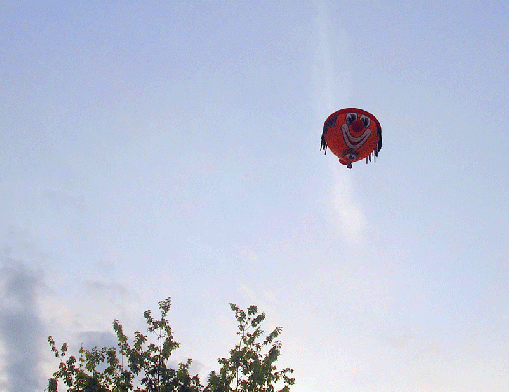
(250, 367)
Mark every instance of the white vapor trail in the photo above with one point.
(332, 85)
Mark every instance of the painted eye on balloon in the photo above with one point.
(351, 117)
(365, 120)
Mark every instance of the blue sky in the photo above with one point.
(154, 149)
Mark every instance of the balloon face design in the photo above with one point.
(352, 134)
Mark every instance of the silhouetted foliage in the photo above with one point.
(250, 367)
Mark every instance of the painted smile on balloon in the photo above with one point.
(354, 142)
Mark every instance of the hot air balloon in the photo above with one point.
(352, 134)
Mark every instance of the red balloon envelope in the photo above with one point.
(352, 134)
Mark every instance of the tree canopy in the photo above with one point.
(143, 364)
